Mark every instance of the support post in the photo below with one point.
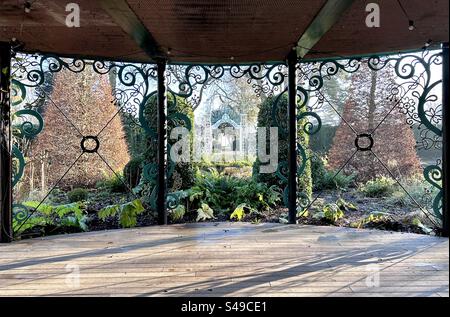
(445, 134)
(162, 142)
(5, 145)
(292, 129)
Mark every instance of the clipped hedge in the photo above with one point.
(184, 172)
(265, 119)
(132, 171)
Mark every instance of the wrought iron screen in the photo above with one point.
(387, 119)
(383, 130)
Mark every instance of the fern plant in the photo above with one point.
(44, 215)
(212, 190)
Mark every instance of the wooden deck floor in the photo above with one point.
(225, 259)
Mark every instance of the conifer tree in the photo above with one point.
(371, 108)
(80, 104)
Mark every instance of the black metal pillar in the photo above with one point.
(292, 128)
(445, 134)
(5, 145)
(162, 142)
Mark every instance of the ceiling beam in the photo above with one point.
(124, 16)
(328, 15)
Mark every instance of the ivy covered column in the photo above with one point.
(5, 145)
(292, 130)
(162, 142)
(445, 134)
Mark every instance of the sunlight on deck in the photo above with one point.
(228, 259)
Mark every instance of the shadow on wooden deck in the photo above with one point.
(227, 259)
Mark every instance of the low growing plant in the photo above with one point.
(340, 181)
(112, 184)
(419, 191)
(225, 193)
(332, 212)
(127, 212)
(373, 217)
(59, 216)
(205, 212)
(345, 205)
(379, 187)
(177, 213)
(77, 194)
(239, 212)
(324, 179)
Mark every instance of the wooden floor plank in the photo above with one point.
(227, 259)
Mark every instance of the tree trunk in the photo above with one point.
(373, 88)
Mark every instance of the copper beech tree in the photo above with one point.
(371, 107)
(80, 104)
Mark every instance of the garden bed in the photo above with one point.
(234, 195)
(367, 212)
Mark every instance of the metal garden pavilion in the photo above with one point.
(205, 32)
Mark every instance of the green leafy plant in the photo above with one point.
(59, 216)
(127, 212)
(214, 189)
(417, 187)
(112, 184)
(302, 213)
(132, 171)
(204, 213)
(344, 205)
(332, 212)
(195, 193)
(373, 217)
(207, 164)
(45, 209)
(331, 180)
(283, 218)
(31, 224)
(379, 187)
(239, 212)
(419, 224)
(177, 213)
(77, 194)
(318, 215)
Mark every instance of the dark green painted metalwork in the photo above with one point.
(445, 135)
(270, 79)
(292, 138)
(161, 118)
(31, 73)
(18, 165)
